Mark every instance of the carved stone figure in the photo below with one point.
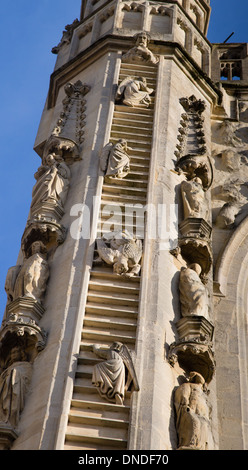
(116, 375)
(227, 214)
(115, 161)
(194, 199)
(52, 182)
(193, 293)
(122, 251)
(140, 51)
(14, 384)
(134, 92)
(32, 278)
(192, 414)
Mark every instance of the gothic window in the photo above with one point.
(231, 70)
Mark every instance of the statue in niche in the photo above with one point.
(115, 161)
(52, 184)
(30, 279)
(194, 199)
(14, 384)
(121, 251)
(193, 294)
(115, 375)
(192, 414)
(134, 92)
(140, 51)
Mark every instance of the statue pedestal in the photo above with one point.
(195, 327)
(195, 227)
(25, 308)
(7, 436)
(193, 350)
(50, 210)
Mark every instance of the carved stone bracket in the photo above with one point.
(7, 436)
(191, 327)
(196, 228)
(26, 308)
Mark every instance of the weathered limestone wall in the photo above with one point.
(229, 203)
(69, 271)
(160, 308)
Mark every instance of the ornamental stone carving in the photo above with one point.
(194, 199)
(115, 376)
(133, 91)
(192, 414)
(121, 251)
(66, 37)
(50, 191)
(14, 384)
(140, 52)
(30, 280)
(115, 161)
(194, 297)
(191, 137)
(227, 215)
(68, 133)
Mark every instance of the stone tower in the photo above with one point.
(125, 325)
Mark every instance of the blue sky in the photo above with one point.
(29, 30)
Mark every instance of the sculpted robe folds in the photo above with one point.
(194, 199)
(192, 414)
(52, 182)
(14, 383)
(134, 91)
(109, 376)
(193, 293)
(118, 164)
(33, 275)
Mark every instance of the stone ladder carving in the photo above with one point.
(113, 301)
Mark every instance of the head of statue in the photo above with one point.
(196, 377)
(120, 266)
(38, 247)
(196, 267)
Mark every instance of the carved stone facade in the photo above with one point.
(134, 337)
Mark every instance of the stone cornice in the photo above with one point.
(173, 2)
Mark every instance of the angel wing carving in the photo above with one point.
(131, 381)
(122, 86)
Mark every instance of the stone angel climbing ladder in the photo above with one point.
(112, 307)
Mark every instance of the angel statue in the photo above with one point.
(115, 161)
(121, 251)
(115, 375)
(134, 92)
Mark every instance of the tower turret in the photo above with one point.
(110, 320)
